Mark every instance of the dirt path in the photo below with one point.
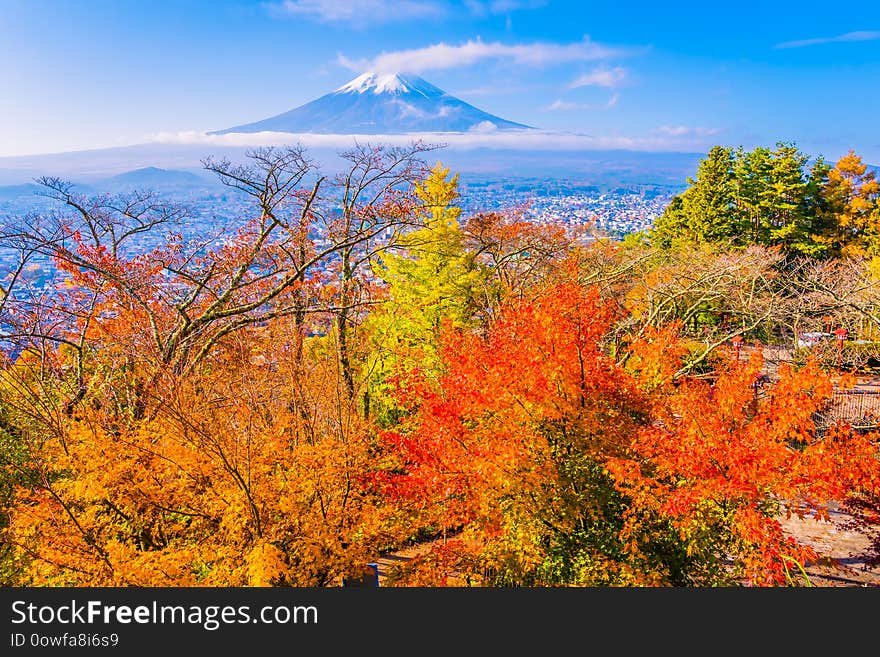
(388, 561)
(845, 547)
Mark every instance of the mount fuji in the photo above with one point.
(375, 103)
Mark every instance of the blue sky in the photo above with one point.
(78, 74)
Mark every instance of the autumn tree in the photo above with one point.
(247, 473)
(516, 254)
(507, 448)
(430, 279)
(711, 293)
(852, 194)
(552, 464)
(375, 207)
(724, 462)
(157, 442)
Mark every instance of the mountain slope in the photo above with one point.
(381, 104)
(154, 177)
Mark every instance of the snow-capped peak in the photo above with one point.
(378, 83)
(380, 103)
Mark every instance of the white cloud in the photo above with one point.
(442, 56)
(840, 38)
(482, 8)
(483, 128)
(686, 131)
(561, 105)
(600, 77)
(480, 137)
(565, 106)
(358, 11)
(386, 11)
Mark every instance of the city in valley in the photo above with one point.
(599, 210)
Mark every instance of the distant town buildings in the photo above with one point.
(614, 212)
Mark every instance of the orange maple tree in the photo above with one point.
(550, 463)
(245, 474)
